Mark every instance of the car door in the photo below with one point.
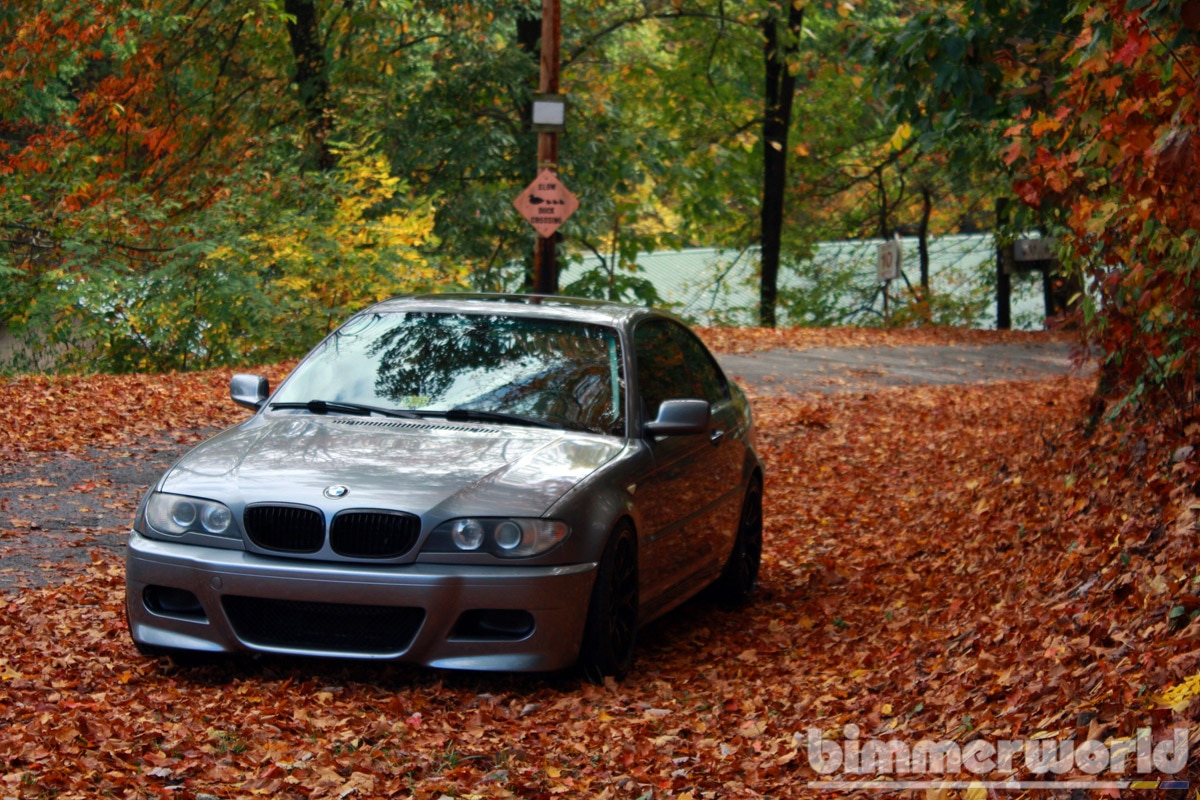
(678, 500)
(726, 456)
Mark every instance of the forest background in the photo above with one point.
(196, 185)
(187, 184)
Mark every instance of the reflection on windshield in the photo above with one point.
(560, 372)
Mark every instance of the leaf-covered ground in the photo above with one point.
(951, 562)
(71, 414)
(743, 340)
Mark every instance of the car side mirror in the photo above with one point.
(250, 391)
(680, 418)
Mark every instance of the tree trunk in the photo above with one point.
(312, 76)
(1003, 279)
(781, 40)
(885, 211)
(923, 241)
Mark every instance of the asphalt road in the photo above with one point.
(57, 510)
(841, 369)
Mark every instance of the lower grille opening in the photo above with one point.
(166, 601)
(500, 624)
(327, 627)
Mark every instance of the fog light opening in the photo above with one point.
(499, 624)
(167, 601)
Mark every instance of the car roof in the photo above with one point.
(579, 309)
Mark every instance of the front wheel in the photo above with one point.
(739, 579)
(608, 638)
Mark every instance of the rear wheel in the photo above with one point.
(739, 578)
(608, 638)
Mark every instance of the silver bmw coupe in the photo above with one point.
(506, 482)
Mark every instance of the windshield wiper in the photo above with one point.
(461, 414)
(337, 406)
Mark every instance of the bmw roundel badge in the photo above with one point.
(334, 492)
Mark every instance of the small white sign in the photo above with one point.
(1034, 249)
(889, 261)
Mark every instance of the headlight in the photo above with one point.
(467, 534)
(507, 538)
(177, 515)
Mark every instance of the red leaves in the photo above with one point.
(744, 340)
(940, 563)
(1123, 162)
(73, 413)
(1135, 46)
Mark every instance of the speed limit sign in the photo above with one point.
(888, 268)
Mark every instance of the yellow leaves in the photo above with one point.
(903, 133)
(343, 253)
(974, 791)
(1073, 507)
(641, 209)
(1180, 697)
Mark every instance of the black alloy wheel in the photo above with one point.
(608, 639)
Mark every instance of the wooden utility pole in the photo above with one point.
(1003, 279)
(545, 254)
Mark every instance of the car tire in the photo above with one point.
(611, 631)
(739, 578)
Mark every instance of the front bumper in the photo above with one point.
(433, 597)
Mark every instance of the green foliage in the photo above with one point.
(264, 280)
(614, 284)
(174, 194)
(840, 288)
(829, 293)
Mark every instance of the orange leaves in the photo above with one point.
(73, 413)
(1043, 125)
(1123, 160)
(939, 563)
(1110, 85)
(746, 340)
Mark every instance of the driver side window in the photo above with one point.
(662, 369)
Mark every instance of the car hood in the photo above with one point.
(418, 467)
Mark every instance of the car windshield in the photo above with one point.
(548, 371)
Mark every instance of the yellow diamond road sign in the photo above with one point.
(546, 203)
